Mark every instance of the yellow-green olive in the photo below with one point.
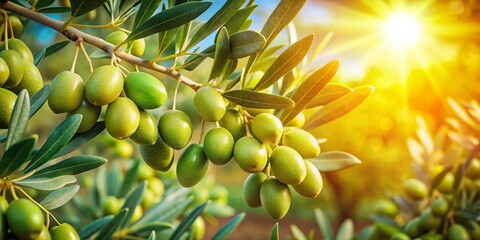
(288, 166)
(233, 121)
(66, 92)
(250, 154)
(7, 102)
(122, 118)
(104, 85)
(147, 131)
(312, 185)
(90, 115)
(175, 128)
(15, 66)
(158, 156)
(145, 90)
(218, 145)
(275, 197)
(192, 165)
(209, 104)
(251, 189)
(267, 128)
(302, 141)
(32, 80)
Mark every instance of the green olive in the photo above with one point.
(219, 194)
(385, 207)
(111, 205)
(45, 234)
(25, 219)
(302, 141)
(4, 71)
(104, 85)
(32, 80)
(200, 195)
(137, 214)
(124, 149)
(267, 128)
(412, 227)
(192, 165)
(3, 205)
(288, 165)
(122, 118)
(429, 221)
(175, 128)
(298, 121)
(209, 104)
(446, 185)
(17, 25)
(138, 47)
(415, 189)
(250, 154)
(145, 90)
(147, 131)
(156, 186)
(15, 67)
(145, 172)
(473, 229)
(233, 121)
(399, 236)
(116, 38)
(312, 185)
(158, 156)
(7, 102)
(457, 232)
(473, 170)
(275, 198)
(64, 231)
(198, 229)
(90, 115)
(20, 47)
(148, 199)
(66, 92)
(440, 207)
(251, 189)
(218, 145)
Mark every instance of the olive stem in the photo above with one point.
(175, 96)
(34, 4)
(74, 34)
(12, 189)
(38, 204)
(201, 132)
(75, 59)
(5, 23)
(80, 43)
(23, 177)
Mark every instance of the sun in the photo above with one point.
(402, 30)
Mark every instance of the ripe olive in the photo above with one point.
(429, 221)
(439, 207)
(302, 141)
(198, 229)
(116, 38)
(66, 92)
(90, 115)
(147, 131)
(275, 198)
(25, 219)
(122, 118)
(175, 128)
(415, 189)
(145, 90)
(192, 165)
(64, 231)
(138, 47)
(250, 154)
(4, 71)
(32, 80)
(219, 194)
(473, 170)
(15, 67)
(457, 232)
(7, 102)
(218, 145)
(209, 104)
(312, 185)
(104, 85)
(111, 205)
(446, 185)
(412, 228)
(251, 189)
(267, 128)
(298, 121)
(288, 166)
(233, 121)
(20, 47)
(158, 156)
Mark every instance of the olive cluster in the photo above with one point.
(22, 219)
(17, 72)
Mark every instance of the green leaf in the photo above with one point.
(56, 141)
(289, 59)
(91, 229)
(39, 56)
(193, 61)
(438, 179)
(230, 67)
(55, 47)
(339, 107)
(44, 3)
(130, 179)
(334, 161)
(308, 89)
(108, 230)
(216, 21)
(17, 155)
(114, 175)
(80, 139)
(263, 64)
(222, 53)
(346, 231)
(47, 183)
(270, 51)
(297, 233)
(188, 221)
(152, 226)
(229, 227)
(253, 99)
(81, 7)
(324, 224)
(152, 236)
(3, 137)
(182, 36)
(169, 19)
(19, 119)
(59, 197)
(39, 99)
(71, 166)
(54, 10)
(131, 203)
(245, 43)
(220, 210)
(99, 54)
(166, 38)
(235, 23)
(274, 234)
(330, 93)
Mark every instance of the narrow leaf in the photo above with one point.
(271, 50)
(91, 229)
(153, 226)
(438, 179)
(324, 224)
(131, 203)
(47, 183)
(146, 10)
(81, 7)
(114, 175)
(245, 43)
(56, 47)
(37, 100)
(71, 166)
(193, 61)
(188, 221)
(39, 56)
(80, 139)
(321, 46)
(346, 231)
(130, 178)
(339, 107)
(19, 119)
(229, 227)
(253, 99)
(274, 234)
(54, 10)
(169, 19)
(165, 39)
(297, 233)
(308, 89)
(44, 3)
(3, 137)
(152, 236)
(330, 93)
(16, 155)
(334, 161)
(222, 53)
(235, 23)
(289, 59)
(59, 197)
(108, 230)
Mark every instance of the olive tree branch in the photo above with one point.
(76, 35)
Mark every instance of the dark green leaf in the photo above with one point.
(334, 161)
(39, 56)
(230, 68)
(188, 221)
(330, 93)
(235, 23)
(109, 229)
(324, 224)
(56, 47)
(308, 89)
(289, 59)
(169, 19)
(193, 61)
(245, 43)
(253, 99)
(91, 229)
(270, 51)
(222, 53)
(131, 203)
(166, 38)
(152, 226)
(54, 10)
(39, 99)
(130, 178)
(114, 175)
(229, 227)
(339, 107)
(59, 197)
(44, 3)
(16, 155)
(71, 166)
(346, 230)
(56, 141)
(47, 183)
(216, 21)
(274, 234)
(80, 139)
(80, 7)
(19, 119)
(178, 2)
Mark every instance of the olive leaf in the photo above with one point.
(268, 52)
(274, 233)
(328, 94)
(219, 210)
(47, 183)
(109, 229)
(321, 46)
(71, 166)
(152, 226)
(236, 22)
(324, 224)
(59, 197)
(439, 177)
(44, 3)
(38, 99)
(229, 227)
(152, 236)
(297, 233)
(19, 119)
(49, 51)
(129, 179)
(334, 161)
(253, 99)
(114, 175)
(146, 10)
(245, 43)
(346, 230)
(81, 7)
(17, 155)
(54, 10)
(188, 221)
(88, 231)
(263, 64)
(131, 203)
(222, 53)
(80, 139)
(39, 56)
(165, 39)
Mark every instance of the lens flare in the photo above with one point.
(402, 29)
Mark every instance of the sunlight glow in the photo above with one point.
(402, 29)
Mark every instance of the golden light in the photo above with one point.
(402, 29)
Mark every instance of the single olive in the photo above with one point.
(3, 205)
(137, 214)
(104, 85)
(45, 234)
(218, 145)
(7, 102)
(429, 221)
(122, 118)
(156, 186)
(124, 149)
(158, 156)
(197, 229)
(446, 185)
(15, 67)
(25, 219)
(66, 92)
(457, 232)
(302, 141)
(412, 227)
(251, 189)
(32, 80)
(17, 25)
(415, 189)
(288, 165)
(4, 71)
(145, 172)
(175, 128)
(267, 128)
(147, 131)
(298, 121)
(200, 195)
(209, 104)
(111, 205)
(250, 154)
(20, 47)
(400, 236)
(312, 185)
(145, 90)
(385, 207)
(64, 231)
(148, 199)
(116, 38)
(138, 47)
(473, 170)
(440, 207)
(192, 165)
(90, 115)
(234, 122)
(275, 197)
(219, 194)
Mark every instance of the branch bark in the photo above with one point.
(76, 35)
